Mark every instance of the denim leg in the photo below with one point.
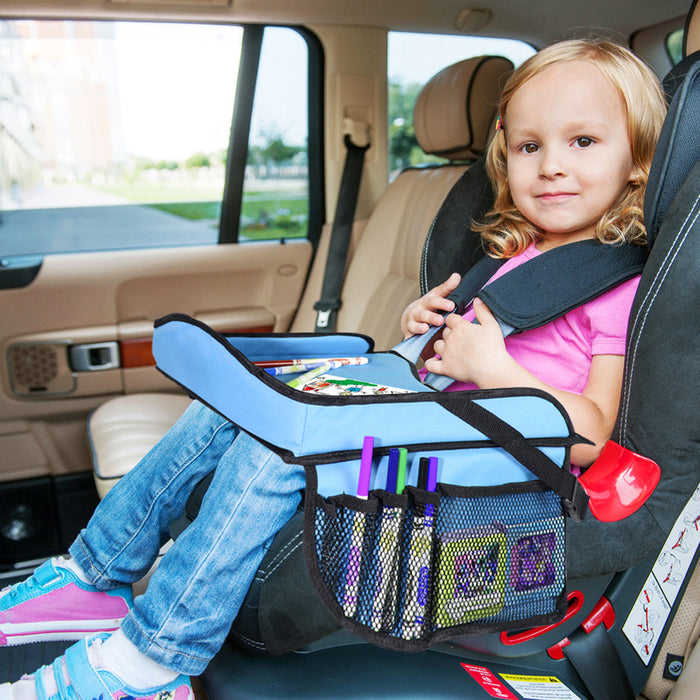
(129, 526)
(194, 595)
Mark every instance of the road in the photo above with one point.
(30, 231)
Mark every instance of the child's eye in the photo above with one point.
(584, 141)
(529, 148)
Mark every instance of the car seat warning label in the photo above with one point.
(488, 682)
(539, 687)
(650, 612)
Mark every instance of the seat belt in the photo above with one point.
(598, 664)
(329, 303)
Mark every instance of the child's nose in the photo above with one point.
(551, 163)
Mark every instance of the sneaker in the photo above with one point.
(73, 677)
(54, 604)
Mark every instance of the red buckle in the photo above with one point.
(619, 482)
(574, 604)
(602, 612)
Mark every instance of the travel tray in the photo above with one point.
(474, 543)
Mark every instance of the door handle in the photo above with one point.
(91, 357)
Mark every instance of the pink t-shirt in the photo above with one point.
(560, 352)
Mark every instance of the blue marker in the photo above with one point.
(392, 472)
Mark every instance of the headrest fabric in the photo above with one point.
(456, 109)
(691, 40)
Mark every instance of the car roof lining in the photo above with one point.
(536, 23)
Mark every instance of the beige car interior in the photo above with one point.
(131, 407)
(383, 265)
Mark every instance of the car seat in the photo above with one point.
(642, 564)
(453, 116)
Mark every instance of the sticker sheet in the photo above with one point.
(651, 610)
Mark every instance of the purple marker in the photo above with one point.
(352, 576)
(432, 473)
(365, 467)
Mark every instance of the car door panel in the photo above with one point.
(101, 306)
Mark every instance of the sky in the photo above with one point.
(173, 106)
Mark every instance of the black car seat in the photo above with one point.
(453, 116)
(631, 561)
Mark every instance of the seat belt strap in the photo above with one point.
(597, 662)
(329, 303)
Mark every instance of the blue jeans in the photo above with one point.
(194, 595)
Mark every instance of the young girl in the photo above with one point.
(569, 161)
(578, 125)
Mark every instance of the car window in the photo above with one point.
(275, 194)
(412, 60)
(116, 135)
(674, 45)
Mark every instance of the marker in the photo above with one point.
(401, 478)
(423, 473)
(432, 473)
(392, 472)
(295, 369)
(306, 378)
(352, 578)
(420, 554)
(365, 467)
(313, 360)
(387, 553)
(311, 364)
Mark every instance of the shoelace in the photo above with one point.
(32, 583)
(23, 587)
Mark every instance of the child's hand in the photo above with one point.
(423, 313)
(470, 352)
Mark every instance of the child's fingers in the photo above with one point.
(447, 287)
(417, 328)
(434, 365)
(451, 283)
(483, 314)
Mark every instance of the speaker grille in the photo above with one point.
(34, 366)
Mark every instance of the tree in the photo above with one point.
(402, 135)
(279, 152)
(198, 160)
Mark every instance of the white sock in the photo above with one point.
(117, 655)
(25, 688)
(70, 564)
(120, 656)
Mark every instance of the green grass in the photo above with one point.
(194, 211)
(264, 214)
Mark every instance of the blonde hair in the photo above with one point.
(505, 231)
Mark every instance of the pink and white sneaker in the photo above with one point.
(55, 604)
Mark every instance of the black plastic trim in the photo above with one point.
(19, 270)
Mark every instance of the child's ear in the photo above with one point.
(635, 176)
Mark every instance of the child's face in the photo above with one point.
(569, 155)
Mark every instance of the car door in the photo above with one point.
(145, 168)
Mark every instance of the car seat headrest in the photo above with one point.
(456, 109)
(691, 38)
(678, 149)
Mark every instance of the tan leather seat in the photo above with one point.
(453, 116)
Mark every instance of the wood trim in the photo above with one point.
(137, 352)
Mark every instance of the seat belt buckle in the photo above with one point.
(603, 613)
(577, 505)
(323, 317)
(324, 310)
